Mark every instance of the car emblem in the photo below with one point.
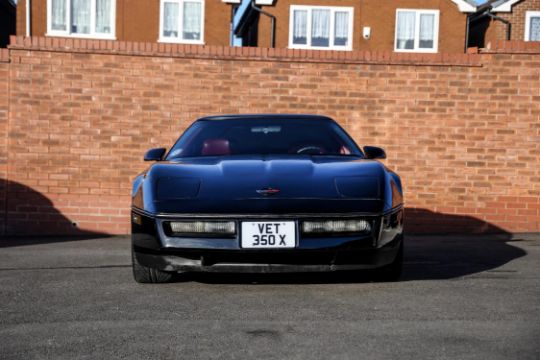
(268, 191)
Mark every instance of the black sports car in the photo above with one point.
(266, 193)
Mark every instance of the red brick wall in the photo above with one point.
(463, 130)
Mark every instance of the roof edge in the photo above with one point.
(465, 6)
(504, 6)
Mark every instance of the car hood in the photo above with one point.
(233, 184)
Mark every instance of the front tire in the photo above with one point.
(392, 272)
(146, 275)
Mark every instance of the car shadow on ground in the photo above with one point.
(446, 255)
(27, 217)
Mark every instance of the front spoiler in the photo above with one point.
(367, 259)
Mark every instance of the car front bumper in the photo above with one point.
(154, 248)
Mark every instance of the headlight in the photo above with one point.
(336, 226)
(203, 227)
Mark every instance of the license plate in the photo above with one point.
(268, 234)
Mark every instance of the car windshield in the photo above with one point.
(264, 137)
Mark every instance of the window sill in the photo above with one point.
(83, 36)
(319, 48)
(180, 41)
(421, 51)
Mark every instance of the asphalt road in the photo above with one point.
(461, 298)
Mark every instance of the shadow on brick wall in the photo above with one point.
(29, 217)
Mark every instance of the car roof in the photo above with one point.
(266, 117)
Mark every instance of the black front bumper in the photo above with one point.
(269, 262)
(153, 248)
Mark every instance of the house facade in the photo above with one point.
(375, 25)
(428, 26)
(506, 20)
(202, 22)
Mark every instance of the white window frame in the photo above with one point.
(179, 40)
(93, 34)
(333, 10)
(528, 16)
(417, 48)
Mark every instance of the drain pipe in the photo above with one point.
(231, 27)
(28, 17)
(272, 18)
(467, 29)
(506, 22)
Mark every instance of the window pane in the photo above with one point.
(80, 16)
(320, 28)
(300, 27)
(192, 20)
(58, 15)
(170, 19)
(405, 30)
(427, 31)
(341, 28)
(534, 31)
(103, 16)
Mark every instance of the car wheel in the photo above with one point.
(143, 274)
(392, 272)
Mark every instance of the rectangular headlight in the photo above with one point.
(336, 226)
(203, 227)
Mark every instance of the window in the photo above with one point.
(417, 30)
(81, 18)
(320, 27)
(182, 21)
(532, 26)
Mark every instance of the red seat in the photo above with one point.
(344, 150)
(216, 147)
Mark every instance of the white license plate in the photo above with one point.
(268, 234)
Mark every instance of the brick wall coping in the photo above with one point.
(239, 53)
(512, 47)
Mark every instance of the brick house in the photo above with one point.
(168, 21)
(376, 25)
(505, 20)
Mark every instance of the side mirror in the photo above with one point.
(154, 154)
(373, 152)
